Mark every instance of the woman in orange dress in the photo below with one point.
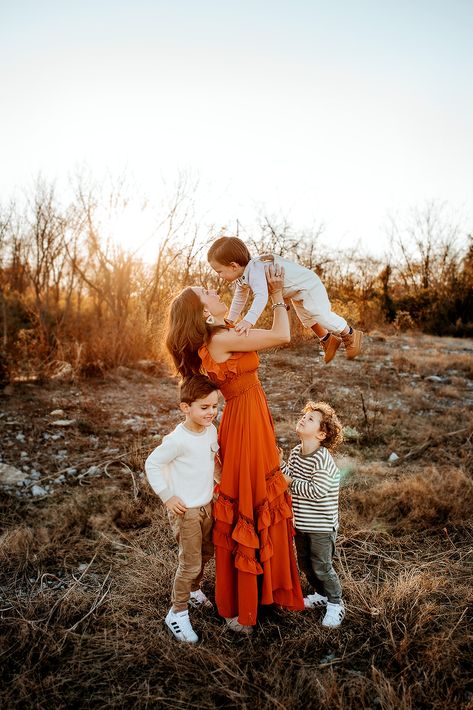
(253, 533)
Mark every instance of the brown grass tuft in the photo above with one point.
(422, 501)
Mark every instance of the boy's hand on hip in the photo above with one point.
(243, 327)
(176, 505)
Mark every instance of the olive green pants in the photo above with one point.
(314, 555)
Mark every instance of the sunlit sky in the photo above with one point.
(337, 112)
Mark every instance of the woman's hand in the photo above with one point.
(274, 277)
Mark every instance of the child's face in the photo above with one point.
(201, 413)
(308, 426)
(228, 272)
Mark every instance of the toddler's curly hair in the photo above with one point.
(329, 423)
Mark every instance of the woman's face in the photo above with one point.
(211, 301)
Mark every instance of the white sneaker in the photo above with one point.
(180, 625)
(198, 600)
(235, 625)
(312, 601)
(334, 615)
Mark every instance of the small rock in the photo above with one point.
(24, 455)
(38, 490)
(20, 436)
(393, 457)
(436, 378)
(57, 413)
(10, 476)
(63, 422)
(82, 567)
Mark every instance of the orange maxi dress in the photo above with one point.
(253, 531)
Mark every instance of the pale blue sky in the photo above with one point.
(337, 112)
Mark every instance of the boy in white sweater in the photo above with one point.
(181, 471)
(230, 259)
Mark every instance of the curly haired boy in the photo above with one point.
(314, 481)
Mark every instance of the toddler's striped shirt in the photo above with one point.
(314, 489)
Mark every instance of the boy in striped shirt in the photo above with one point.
(314, 481)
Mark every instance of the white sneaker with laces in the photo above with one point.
(312, 601)
(180, 626)
(198, 600)
(334, 615)
(234, 625)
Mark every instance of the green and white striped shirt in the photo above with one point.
(314, 489)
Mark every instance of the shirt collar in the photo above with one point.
(243, 280)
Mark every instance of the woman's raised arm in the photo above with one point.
(226, 342)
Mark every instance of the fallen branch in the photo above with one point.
(135, 487)
(431, 441)
(97, 602)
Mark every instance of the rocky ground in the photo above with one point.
(63, 432)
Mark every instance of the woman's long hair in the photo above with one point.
(186, 331)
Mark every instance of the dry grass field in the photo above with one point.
(87, 558)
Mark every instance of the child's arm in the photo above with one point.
(226, 342)
(285, 467)
(239, 299)
(258, 284)
(317, 487)
(155, 466)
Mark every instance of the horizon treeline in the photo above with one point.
(70, 297)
